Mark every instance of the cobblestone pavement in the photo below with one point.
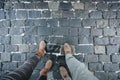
(91, 26)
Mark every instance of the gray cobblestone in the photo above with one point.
(85, 40)
(78, 5)
(67, 14)
(16, 31)
(33, 30)
(81, 14)
(102, 23)
(3, 31)
(74, 31)
(104, 58)
(29, 39)
(109, 14)
(112, 49)
(5, 39)
(2, 15)
(53, 22)
(64, 22)
(5, 23)
(114, 23)
(114, 6)
(90, 6)
(1, 48)
(96, 14)
(5, 56)
(95, 67)
(101, 41)
(20, 14)
(99, 49)
(115, 58)
(75, 23)
(101, 75)
(91, 58)
(18, 57)
(44, 31)
(96, 32)
(115, 40)
(109, 32)
(111, 67)
(11, 48)
(9, 66)
(34, 14)
(102, 6)
(24, 48)
(16, 39)
(84, 31)
(46, 14)
(10, 14)
(54, 6)
(88, 22)
(17, 23)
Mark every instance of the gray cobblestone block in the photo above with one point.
(52, 22)
(102, 6)
(31, 31)
(16, 39)
(112, 49)
(18, 57)
(67, 14)
(75, 23)
(1, 5)
(33, 48)
(100, 50)
(90, 6)
(64, 22)
(53, 6)
(109, 14)
(5, 57)
(57, 40)
(91, 58)
(96, 66)
(115, 58)
(118, 31)
(9, 66)
(61, 31)
(4, 24)
(73, 31)
(46, 14)
(114, 6)
(17, 23)
(113, 76)
(109, 32)
(16, 31)
(84, 31)
(2, 14)
(40, 22)
(42, 5)
(29, 5)
(18, 6)
(24, 48)
(101, 75)
(34, 14)
(44, 31)
(96, 14)
(86, 40)
(84, 49)
(5, 39)
(29, 55)
(3, 31)
(78, 6)
(96, 32)
(114, 23)
(8, 5)
(111, 67)
(21, 14)
(118, 14)
(29, 22)
(115, 40)
(65, 6)
(11, 48)
(104, 58)
(71, 40)
(29, 39)
(88, 22)
(101, 41)
(81, 14)
(102, 23)
(57, 14)
(1, 48)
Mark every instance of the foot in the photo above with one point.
(41, 50)
(67, 48)
(47, 68)
(63, 72)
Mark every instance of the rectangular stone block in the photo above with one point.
(111, 67)
(102, 23)
(109, 14)
(17, 23)
(109, 32)
(102, 6)
(16, 31)
(90, 6)
(16, 39)
(5, 57)
(5, 24)
(57, 14)
(73, 40)
(85, 40)
(67, 14)
(46, 14)
(115, 58)
(114, 6)
(31, 31)
(101, 41)
(41, 5)
(101, 75)
(40, 22)
(78, 6)
(44, 31)
(88, 22)
(96, 32)
(10, 14)
(18, 57)
(29, 39)
(96, 14)
(91, 58)
(2, 48)
(81, 14)
(21, 14)
(112, 49)
(95, 67)
(9, 66)
(24, 48)
(3, 31)
(64, 22)
(115, 40)
(5, 39)
(61, 31)
(11, 48)
(84, 31)
(75, 23)
(33, 48)
(84, 49)
(53, 6)
(114, 23)
(74, 31)
(99, 49)
(104, 58)
(65, 6)
(53, 23)
(34, 14)
(118, 31)
(2, 14)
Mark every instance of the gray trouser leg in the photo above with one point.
(78, 69)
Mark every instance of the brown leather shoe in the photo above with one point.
(67, 49)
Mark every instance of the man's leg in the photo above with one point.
(77, 69)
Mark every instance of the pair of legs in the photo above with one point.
(48, 66)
